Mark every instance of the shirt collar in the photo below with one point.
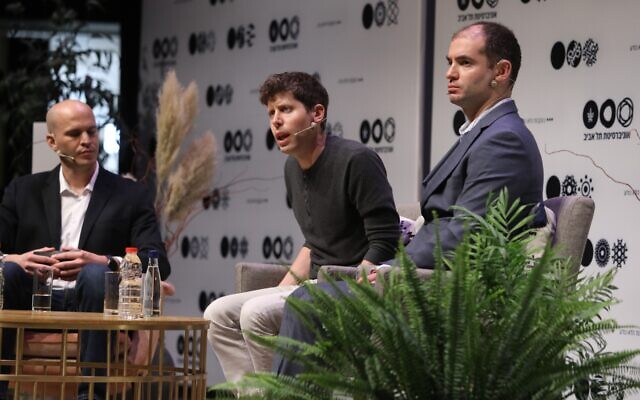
(64, 185)
(468, 125)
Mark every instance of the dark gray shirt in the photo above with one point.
(344, 205)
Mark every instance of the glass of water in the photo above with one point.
(111, 285)
(42, 285)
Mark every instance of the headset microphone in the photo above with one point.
(313, 125)
(62, 155)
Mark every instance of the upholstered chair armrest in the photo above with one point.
(253, 276)
(337, 272)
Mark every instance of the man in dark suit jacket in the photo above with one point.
(495, 151)
(81, 209)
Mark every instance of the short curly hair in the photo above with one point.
(304, 88)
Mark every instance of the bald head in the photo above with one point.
(64, 111)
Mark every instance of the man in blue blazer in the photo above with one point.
(495, 151)
(87, 213)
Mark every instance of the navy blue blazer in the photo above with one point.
(120, 214)
(498, 152)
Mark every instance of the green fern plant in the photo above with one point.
(490, 323)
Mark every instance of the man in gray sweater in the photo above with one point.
(341, 200)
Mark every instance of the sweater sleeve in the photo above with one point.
(372, 196)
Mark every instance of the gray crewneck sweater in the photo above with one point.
(344, 205)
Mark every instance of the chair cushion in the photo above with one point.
(543, 235)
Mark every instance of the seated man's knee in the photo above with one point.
(262, 315)
(13, 272)
(222, 311)
(91, 280)
(301, 293)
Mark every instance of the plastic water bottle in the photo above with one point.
(130, 289)
(151, 288)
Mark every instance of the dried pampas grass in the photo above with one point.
(177, 108)
(183, 177)
(191, 180)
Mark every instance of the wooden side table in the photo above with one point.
(189, 378)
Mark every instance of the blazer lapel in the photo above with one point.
(453, 157)
(99, 198)
(51, 201)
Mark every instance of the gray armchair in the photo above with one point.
(253, 276)
(573, 220)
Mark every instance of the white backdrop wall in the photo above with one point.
(576, 91)
(368, 56)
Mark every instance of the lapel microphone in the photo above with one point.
(62, 155)
(313, 125)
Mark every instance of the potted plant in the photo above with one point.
(491, 323)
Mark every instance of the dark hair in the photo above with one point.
(304, 88)
(499, 44)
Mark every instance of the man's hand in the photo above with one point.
(371, 276)
(70, 262)
(30, 261)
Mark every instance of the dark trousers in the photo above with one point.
(292, 327)
(88, 296)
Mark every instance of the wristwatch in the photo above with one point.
(2, 256)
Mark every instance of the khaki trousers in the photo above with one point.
(231, 316)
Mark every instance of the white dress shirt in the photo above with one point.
(468, 125)
(73, 208)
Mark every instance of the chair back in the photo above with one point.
(573, 220)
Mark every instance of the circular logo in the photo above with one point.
(602, 252)
(271, 141)
(574, 53)
(367, 16)
(377, 130)
(210, 96)
(192, 43)
(608, 113)
(234, 247)
(625, 112)
(463, 4)
(590, 114)
(224, 247)
(365, 131)
(587, 255)
(184, 247)
(165, 48)
(557, 55)
(231, 38)
(194, 247)
(266, 247)
(380, 13)
(554, 187)
(390, 130)
(203, 301)
(180, 345)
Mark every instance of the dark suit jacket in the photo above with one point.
(120, 214)
(498, 152)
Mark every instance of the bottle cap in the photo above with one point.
(131, 250)
(153, 253)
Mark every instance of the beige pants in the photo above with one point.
(258, 311)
